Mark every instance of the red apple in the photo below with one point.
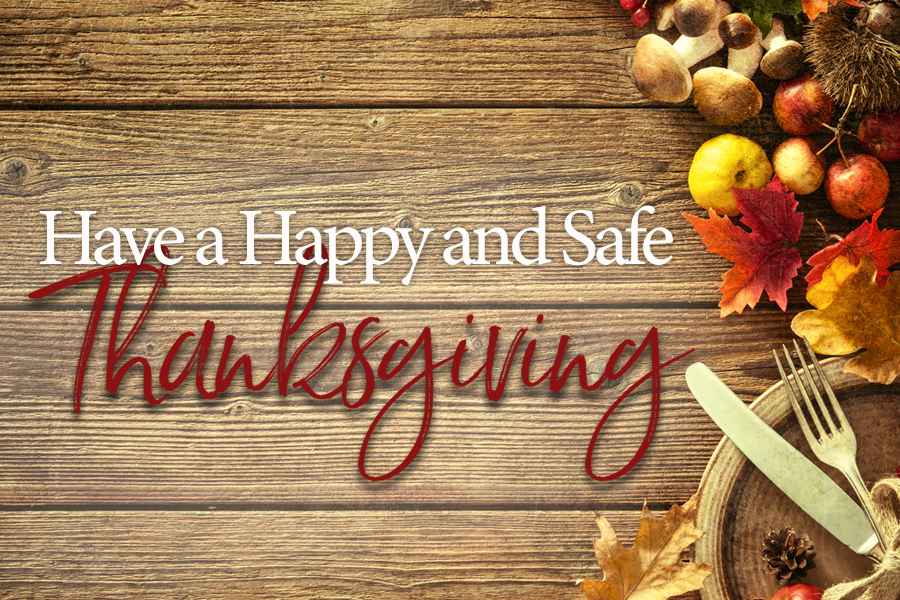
(879, 134)
(798, 591)
(801, 106)
(859, 188)
(797, 165)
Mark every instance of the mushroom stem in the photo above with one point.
(665, 15)
(693, 50)
(776, 36)
(746, 61)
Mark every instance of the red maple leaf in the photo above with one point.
(764, 257)
(882, 246)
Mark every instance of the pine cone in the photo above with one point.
(788, 555)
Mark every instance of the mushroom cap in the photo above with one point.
(693, 18)
(658, 70)
(724, 97)
(783, 62)
(737, 31)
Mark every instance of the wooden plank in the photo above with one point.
(344, 53)
(437, 169)
(258, 448)
(374, 555)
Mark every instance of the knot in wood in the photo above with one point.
(15, 170)
(237, 408)
(630, 194)
(18, 165)
(377, 123)
(406, 223)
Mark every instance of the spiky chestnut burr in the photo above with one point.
(844, 54)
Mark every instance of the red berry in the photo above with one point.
(629, 4)
(640, 17)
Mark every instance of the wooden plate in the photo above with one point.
(739, 505)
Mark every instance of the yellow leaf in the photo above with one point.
(855, 312)
(652, 569)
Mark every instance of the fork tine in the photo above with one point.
(836, 407)
(815, 388)
(838, 447)
(798, 381)
(801, 418)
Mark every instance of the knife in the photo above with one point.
(802, 481)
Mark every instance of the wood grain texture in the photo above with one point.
(255, 449)
(438, 169)
(290, 54)
(221, 555)
(414, 113)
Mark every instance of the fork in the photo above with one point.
(836, 444)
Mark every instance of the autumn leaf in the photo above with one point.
(652, 569)
(764, 258)
(854, 312)
(813, 8)
(882, 246)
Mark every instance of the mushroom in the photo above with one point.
(784, 57)
(883, 19)
(660, 69)
(693, 18)
(665, 14)
(737, 31)
(724, 97)
(742, 38)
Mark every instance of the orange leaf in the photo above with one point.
(854, 312)
(813, 8)
(652, 569)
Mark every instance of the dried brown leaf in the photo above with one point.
(652, 569)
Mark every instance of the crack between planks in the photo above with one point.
(320, 507)
(371, 306)
(151, 105)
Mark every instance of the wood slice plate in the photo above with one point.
(739, 506)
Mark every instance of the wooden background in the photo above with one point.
(421, 113)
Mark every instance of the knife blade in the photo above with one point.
(794, 474)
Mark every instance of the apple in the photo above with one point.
(858, 188)
(798, 166)
(800, 106)
(798, 591)
(879, 134)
